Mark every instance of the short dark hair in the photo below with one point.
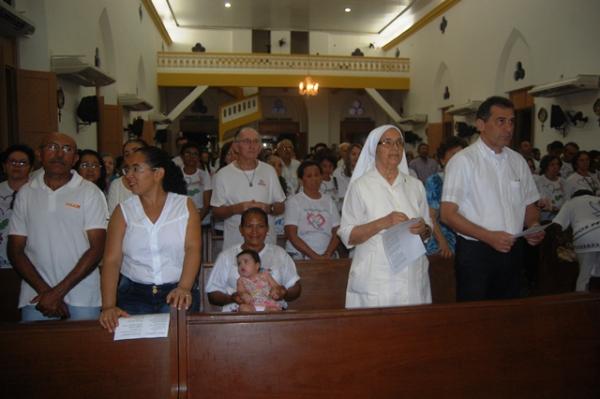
(139, 141)
(485, 109)
(572, 144)
(305, 164)
(545, 162)
(22, 148)
(190, 144)
(250, 252)
(448, 144)
(173, 181)
(326, 155)
(555, 145)
(254, 211)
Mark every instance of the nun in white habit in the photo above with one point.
(382, 194)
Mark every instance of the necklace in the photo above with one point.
(250, 179)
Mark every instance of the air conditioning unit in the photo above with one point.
(12, 23)
(567, 86)
(133, 103)
(467, 108)
(76, 69)
(416, 119)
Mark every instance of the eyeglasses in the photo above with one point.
(191, 154)
(89, 165)
(136, 169)
(249, 141)
(18, 163)
(391, 143)
(54, 147)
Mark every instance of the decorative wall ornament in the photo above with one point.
(357, 53)
(446, 95)
(356, 109)
(397, 52)
(198, 48)
(278, 107)
(542, 116)
(443, 25)
(596, 109)
(519, 71)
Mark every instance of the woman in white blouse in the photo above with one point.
(153, 242)
(382, 194)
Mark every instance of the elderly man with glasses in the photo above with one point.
(56, 237)
(243, 184)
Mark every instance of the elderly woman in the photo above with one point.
(222, 283)
(382, 194)
(153, 240)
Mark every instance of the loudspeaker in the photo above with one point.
(87, 110)
(558, 120)
(137, 127)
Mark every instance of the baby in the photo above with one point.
(254, 286)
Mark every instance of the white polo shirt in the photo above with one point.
(55, 224)
(232, 185)
(491, 190)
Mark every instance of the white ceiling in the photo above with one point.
(367, 16)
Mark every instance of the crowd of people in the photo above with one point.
(140, 215)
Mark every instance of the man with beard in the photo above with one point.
(56, 237)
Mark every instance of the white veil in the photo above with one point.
(366, 161)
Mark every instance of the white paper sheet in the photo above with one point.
(143, 326)
(531, 230)
(401, 246)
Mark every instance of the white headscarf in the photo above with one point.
(366, 161)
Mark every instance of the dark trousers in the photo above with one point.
(484, 273)
(136, 298)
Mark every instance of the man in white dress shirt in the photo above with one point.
(243, 184)
(56, 237)
(489, 196)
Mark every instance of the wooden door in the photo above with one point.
(355, 130)
(37, 113)
(524, 109)
(435, 136)
(110, 129)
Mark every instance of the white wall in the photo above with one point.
(476, 57)
(128, 48)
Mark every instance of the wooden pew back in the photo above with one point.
(541, 347)
(10, 284)
(79, 359)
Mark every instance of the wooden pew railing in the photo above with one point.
(536, 347)
(79, 359)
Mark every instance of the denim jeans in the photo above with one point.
(136, 298)
(30, 313)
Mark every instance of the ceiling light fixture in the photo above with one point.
(308, 87)
(347, 9)
(227, 5)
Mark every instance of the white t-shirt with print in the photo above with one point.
(314, 218)
(583, 215)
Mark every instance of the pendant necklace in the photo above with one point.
(250, 180)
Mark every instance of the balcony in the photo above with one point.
(276, 70)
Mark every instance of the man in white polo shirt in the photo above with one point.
(489, 196)
(56, 237)
(243, 184)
